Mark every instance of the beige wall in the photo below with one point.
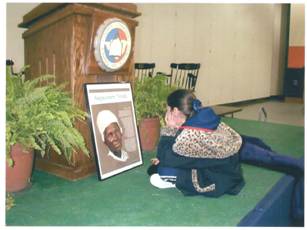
(297, 25)
(14, 41)
(235, 44)
(238, 45)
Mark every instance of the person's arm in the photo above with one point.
(215, 144)
(169, 158)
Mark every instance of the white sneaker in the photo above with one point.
(156, 181)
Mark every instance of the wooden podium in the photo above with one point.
(59, 40)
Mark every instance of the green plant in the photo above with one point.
(41, 115)
(9, 201)
(150, 96)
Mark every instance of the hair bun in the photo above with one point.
(196, 104)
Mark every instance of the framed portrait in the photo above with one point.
(113, 127)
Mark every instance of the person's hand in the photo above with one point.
(169, 119)
(174, 118)
(155, 161)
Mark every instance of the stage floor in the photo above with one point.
(129, 199)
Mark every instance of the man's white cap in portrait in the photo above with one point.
(104, 119)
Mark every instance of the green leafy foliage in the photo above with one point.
(40, 115)
(9, 201)
(150, 96)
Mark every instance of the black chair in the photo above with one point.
(143, 70)
(183, 75)
(10, 63)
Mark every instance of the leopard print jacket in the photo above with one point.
(198, 143)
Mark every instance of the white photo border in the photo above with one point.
(108, 94)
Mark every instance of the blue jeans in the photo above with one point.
(256, 152)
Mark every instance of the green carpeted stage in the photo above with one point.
(128, 199)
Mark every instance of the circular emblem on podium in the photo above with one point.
(112, 44)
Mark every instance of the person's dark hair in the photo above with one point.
(183, 100)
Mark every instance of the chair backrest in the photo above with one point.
(184, 75)
(143, 70)
(10, 63)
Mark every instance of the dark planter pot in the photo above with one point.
(149, 129)
(18, 176)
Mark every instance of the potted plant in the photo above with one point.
(150, 96)
(39, 116)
